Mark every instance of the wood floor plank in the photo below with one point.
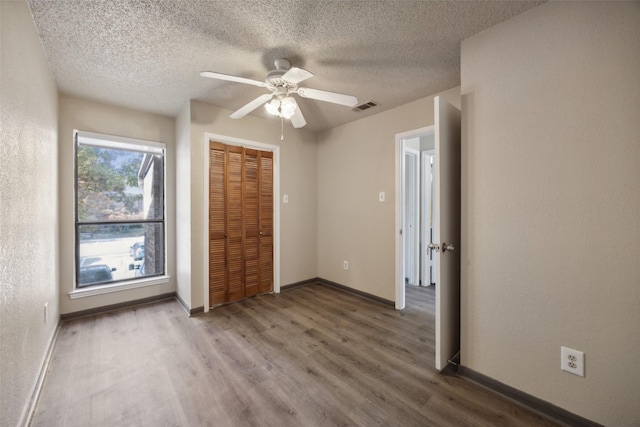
(310, 356)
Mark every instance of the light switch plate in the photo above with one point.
(285, 198)
(381, 196)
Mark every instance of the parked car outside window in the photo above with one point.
(137, 251)
(93, 270)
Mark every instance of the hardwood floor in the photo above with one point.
(310, 356)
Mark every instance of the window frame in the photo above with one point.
(82, 138)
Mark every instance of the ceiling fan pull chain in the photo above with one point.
(281, 128)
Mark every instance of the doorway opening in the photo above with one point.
(444, 247)
(416, 203)
(417, 152)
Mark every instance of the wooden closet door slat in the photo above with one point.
(235, 252)
(251, 223)
(217, 244)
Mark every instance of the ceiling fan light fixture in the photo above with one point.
(288, 107)
(273, 107)
(285, 107)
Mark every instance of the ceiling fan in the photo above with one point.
(282, 82)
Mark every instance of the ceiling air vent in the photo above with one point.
(365, 106)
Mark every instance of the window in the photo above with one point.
(120, 221)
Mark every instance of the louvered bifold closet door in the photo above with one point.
(217, 225)
(251, 215)
(266, 221)
(240, 223)
(234, 205)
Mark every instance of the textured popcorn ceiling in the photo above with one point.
(147, 54)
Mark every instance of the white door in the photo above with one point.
(447, 230)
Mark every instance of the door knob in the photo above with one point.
(447, 248)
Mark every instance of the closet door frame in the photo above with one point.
(275, 149)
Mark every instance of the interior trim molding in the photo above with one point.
(196, 311)
(117, 287)
(114, 307)
(190, 311)
(356, 292)
(27, 415)
(298, 284)
(183, 304)
(540, 406)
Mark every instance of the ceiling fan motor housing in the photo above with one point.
(274, 77)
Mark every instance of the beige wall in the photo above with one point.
(356, 161)
(551, 205)
(90, 116)
(297, 180)
(28, 209)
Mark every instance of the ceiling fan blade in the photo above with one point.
(323, 95)
(297, 120)
(251, 106)
(296, 75)
(229, 78)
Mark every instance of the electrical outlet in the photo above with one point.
(381, 196)
(46, 311)
(572, 361)
(345, 265)
(285, 198)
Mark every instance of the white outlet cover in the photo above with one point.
(381, 196)
(285, 198)
(572, 361)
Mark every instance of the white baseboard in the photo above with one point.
(30, 407)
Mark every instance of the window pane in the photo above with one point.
(118, 185)
(119, 209)
(115, 252)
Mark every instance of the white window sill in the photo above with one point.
(116, 287)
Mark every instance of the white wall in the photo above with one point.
(28, 209)
(551, 205)
(412, 143)
(297, 179)
(356, 161)
(183, 205)
(90, 116)
(427, 142)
